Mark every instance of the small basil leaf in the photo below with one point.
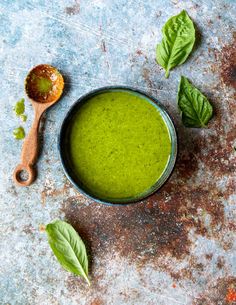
(68, 248)
(195, 108)
(177, 43)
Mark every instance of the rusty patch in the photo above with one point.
(28, 229)
(97, 302)
(209, 256)
(231, 295)
(147, 78)
(73, 10)
(139, 52)
(225, 62)
(75, 284)
(49, 191)
(137, 229)
(228, 63)
(103, 46)
(42, 228)
(217, 292)
(153, 228)
(220, 262)
(218, 153)
(191, 271)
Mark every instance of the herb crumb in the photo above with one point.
(19, 107)
(19, 133)
(23, 117)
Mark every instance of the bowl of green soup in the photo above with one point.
(117, 145)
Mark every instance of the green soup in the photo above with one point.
(119, 145)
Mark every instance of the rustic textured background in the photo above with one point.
(177, 247)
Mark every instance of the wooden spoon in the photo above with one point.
(44, 86)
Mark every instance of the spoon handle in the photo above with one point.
(29, 154)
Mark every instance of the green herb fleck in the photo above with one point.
(19, 133)
(19, 107)
(195, 108)
(23, 117)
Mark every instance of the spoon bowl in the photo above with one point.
(44, 86)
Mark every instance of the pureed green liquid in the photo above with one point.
(119, 145)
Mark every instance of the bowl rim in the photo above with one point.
(154, 101)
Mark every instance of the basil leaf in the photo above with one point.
(196, 109)
(177, 43)
(68, 248)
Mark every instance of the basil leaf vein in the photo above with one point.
(177, 43)
(195, 108)
(68, 248)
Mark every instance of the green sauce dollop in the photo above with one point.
(19, 133)
(44, 84)
(19, 107)
(119, 145)
(19, 110)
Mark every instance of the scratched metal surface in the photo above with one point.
(177, 247)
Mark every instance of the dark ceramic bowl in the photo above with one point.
(63, 145)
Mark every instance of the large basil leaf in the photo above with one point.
(68, 247)
(177, 43)
(195, 108)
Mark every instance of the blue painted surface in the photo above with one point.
(98, 45)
